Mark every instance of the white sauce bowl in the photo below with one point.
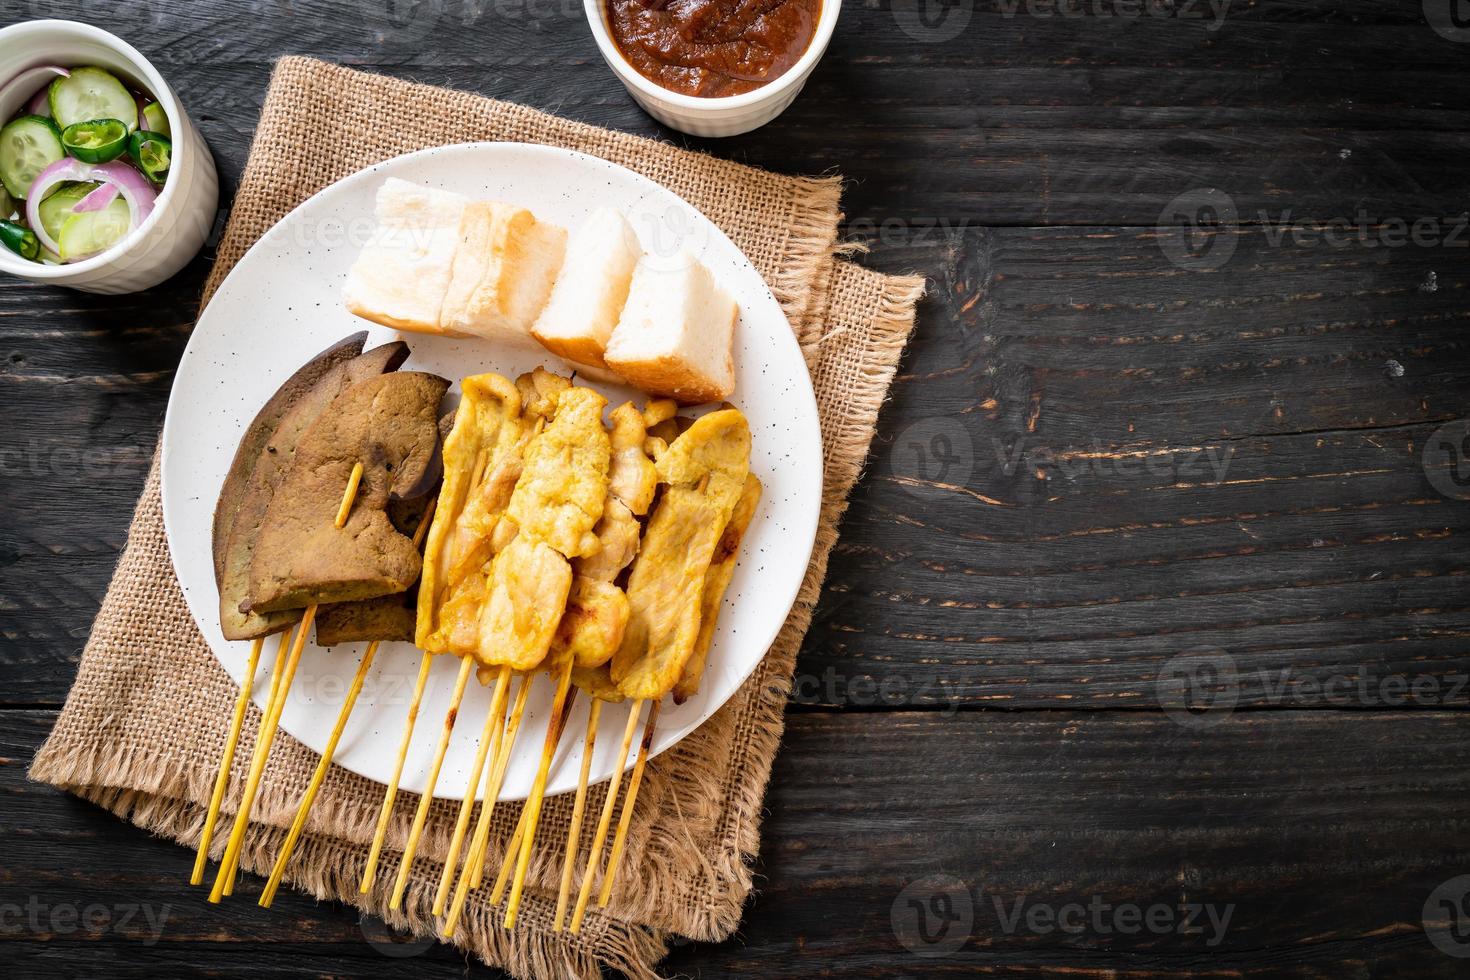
(728, 115)
(184, 213)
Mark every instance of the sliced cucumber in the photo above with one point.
(156, 120)
(28, 145)
(96, 140)
(7, 203)
(92, 232)
(92, 93)
(56, 208)
(20, 240)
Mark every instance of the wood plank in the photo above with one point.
(1019, 118)
(1286, 819)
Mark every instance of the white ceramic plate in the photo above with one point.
(282, 304)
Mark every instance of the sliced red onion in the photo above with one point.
(133, 187)
(29, 78)
(98, 199)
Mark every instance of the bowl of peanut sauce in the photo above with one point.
(713, 67)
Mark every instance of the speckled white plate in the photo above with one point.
(282, 304)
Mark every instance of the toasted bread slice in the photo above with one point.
(676, 332)
(502, 274)
(403, 273)
(590, 291)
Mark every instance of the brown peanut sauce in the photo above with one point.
(712, 48)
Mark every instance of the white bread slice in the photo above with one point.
(401, 276)
(503, 271)
(676, 332)
(590, 292)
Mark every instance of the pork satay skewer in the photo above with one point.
(579, 808)
(273, 716)
(324, 765)
(227, 759)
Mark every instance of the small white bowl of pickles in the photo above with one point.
(107, 185)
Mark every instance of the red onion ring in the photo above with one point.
(98, 199)
(38, 105)
(133, 187)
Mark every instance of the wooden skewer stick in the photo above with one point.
(574, 832)
(513, 849)
(426, 662)
(482, 830)
(490, 739)
(605, 821)
(224, 882)
(467, 664)
(627, 818)
(268, 895)
(257, 765)
(264, 744)
(386, 813)
(227, 759)
(512, 731)
(538, 792)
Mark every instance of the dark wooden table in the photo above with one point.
(1145, 646)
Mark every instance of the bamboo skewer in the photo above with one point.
(405, 865)
(513, 848)
(538, 793)
(263, 744)
(267, 735)
(502, 764)
(490, 740)
(227, 759)
(224, 881)
(605, 821)
(574, 832)
(627, 818)
(482, 831)
(386, 813)
(268, 895)
(475, 862)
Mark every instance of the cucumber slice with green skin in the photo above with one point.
(89, 233)
(20, 240)
(92, 93)
(96, 141)
(152, 153)
(28, 146)
(7, 203)
(155, 120)
(56, 208)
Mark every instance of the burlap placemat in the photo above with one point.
(145, 722)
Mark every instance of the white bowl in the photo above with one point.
(728, 115)
(182, 217)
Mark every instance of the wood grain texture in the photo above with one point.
(1199, 296)
(867, 812)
